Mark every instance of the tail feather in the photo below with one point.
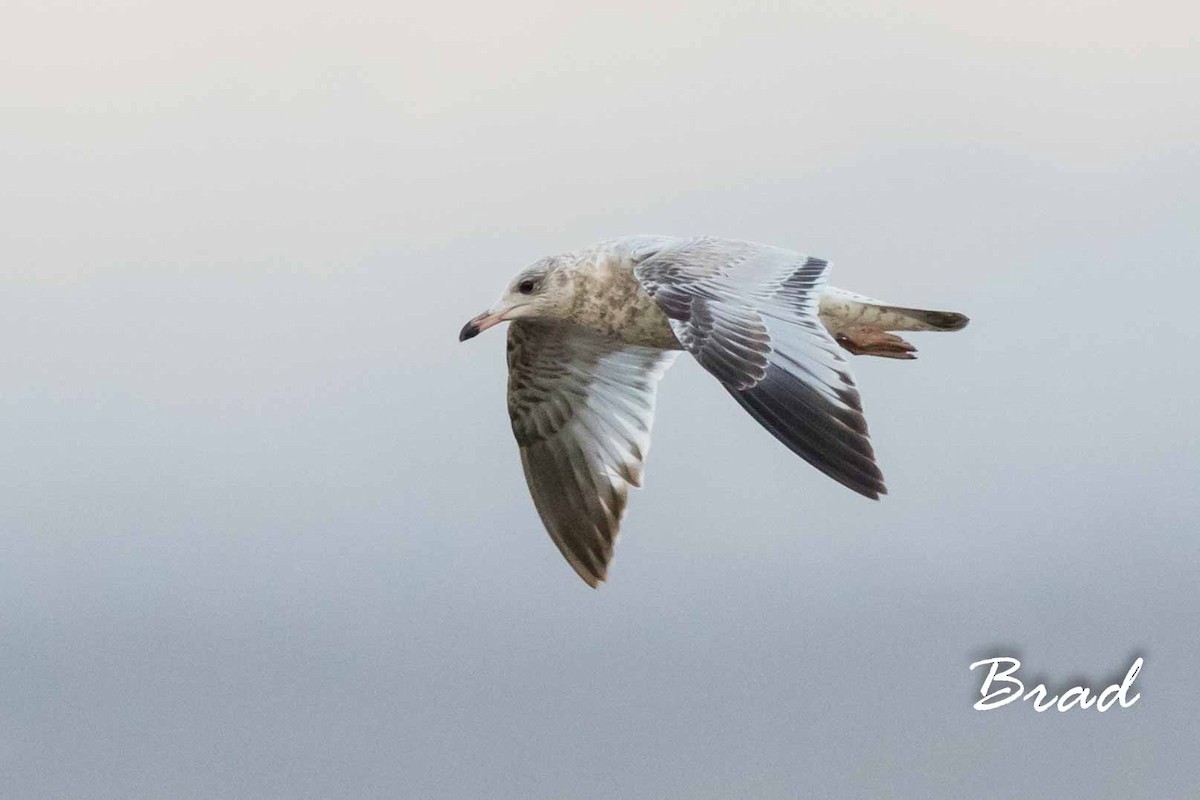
(861, 324)
(929, 320)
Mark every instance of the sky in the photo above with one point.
(263, 528)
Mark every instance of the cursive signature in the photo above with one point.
(1000, 688)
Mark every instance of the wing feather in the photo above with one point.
(748, 314)
(582, 406)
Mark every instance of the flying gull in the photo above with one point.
(593, 331)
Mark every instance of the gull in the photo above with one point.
(592, 331)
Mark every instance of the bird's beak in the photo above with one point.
(480, 324)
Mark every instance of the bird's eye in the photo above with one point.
(526, 286)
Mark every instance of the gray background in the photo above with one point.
(263, 531)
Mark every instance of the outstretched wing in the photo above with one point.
(581, 408)
(748, 313)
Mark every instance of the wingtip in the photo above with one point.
(876, 491)
(593, 581)
(593, 578)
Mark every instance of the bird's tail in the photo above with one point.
(863, 325)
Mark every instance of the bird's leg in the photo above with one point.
(864, 341)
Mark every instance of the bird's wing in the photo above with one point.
(748, 313)
(581, 408)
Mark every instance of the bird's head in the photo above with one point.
(543, 290)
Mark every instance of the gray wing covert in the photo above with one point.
(581, 407)
(748, 314)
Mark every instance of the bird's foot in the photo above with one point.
(874, 342)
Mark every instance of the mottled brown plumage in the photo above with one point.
(593, 331)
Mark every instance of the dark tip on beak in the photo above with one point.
(469, 331)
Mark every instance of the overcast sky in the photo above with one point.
(263, 529)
